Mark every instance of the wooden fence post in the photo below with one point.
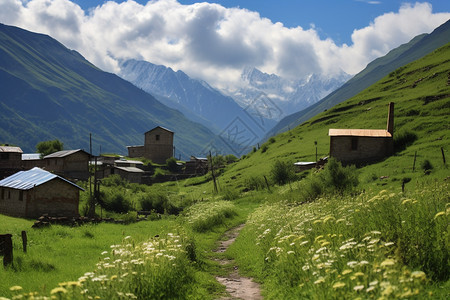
(443, 155)
(6, 249)
(24, 240)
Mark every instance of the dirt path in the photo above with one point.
(237, 287)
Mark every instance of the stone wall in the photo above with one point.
(348, 149)
(55, 198)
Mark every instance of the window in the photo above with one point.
(157, 137)
(354, 143)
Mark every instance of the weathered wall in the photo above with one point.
(75, 165)
(55, 198)
(158, 145)
(368, 148)
(136, 151)
(10, 203)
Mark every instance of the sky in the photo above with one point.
(216, 40)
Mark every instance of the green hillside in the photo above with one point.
(421, 93)
(50, 92)
(377, 69)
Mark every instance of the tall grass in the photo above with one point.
(203, 216)
(386, 245)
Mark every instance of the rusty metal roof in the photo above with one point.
(359, 132)
(10, 149)
(25, 180)
(63, 153)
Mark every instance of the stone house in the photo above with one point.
(33, 193)
(359, 146)
(129, 170)
(72, 164)
(158, 145)
(10, 160)
(196, 166)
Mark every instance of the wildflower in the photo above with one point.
(388, 262)
(104, 252)
(363, 262)
(325, 243)
(338, 285)
(373, 283)
(318, 238)
(375, 232)
(346, 271)
(404, 202)
(304, 243)
(389, 290)
(441, 213)
(113, 277)
(418, 275)
(358, 287)
(370, 288)
(315, 257)
(359, 274)
(58, 290)
(290, 252)
(15, 288)
(352, 264)
(320, 280)
(389, 244)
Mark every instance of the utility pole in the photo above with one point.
(212, 172)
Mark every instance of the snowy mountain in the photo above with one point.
(200, 102)
(288, 95)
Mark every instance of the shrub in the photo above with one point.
(264, 148)
(427, 166)
(116, 201)
(230, 194)
(272, 140)
(255, 183)
(282, 172)
(114, 181)
(230, 158)
(159, 174)
(172, 164)
(159, 203)
(403, 139)
(338, 177)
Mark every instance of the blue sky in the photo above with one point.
(335, 19)
(216, 43)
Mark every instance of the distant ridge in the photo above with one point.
(376, 70)
(49, 92)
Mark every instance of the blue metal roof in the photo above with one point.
(25, 180)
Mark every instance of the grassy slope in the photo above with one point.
(368, 110)
(415, 49)
(52, 92)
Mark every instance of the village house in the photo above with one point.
(72, 164)
(130, 170)
(359, 146)
(196, 166)
(158, 145)
(33, 193)
(10, 160)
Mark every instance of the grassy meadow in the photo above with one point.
(379, 231)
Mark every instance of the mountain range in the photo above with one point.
(51, 92)
(377, 69)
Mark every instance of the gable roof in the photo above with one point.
(25, 180)
(360, 132)
(64, 153)
(160, 128)
(10, 149)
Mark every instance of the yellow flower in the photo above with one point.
(74, 283)
(113, 277)
(441, 213)
(318, 238)
(406, 201)
(359, 274)
(418, 275)
(388, 262)
(324, 243)
(338, 285)
(315, 257)
(58, 290)
(15, 288)
(346, 271)
(320, 280)
(389, 290)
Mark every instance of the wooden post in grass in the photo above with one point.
(443, 154)
(24, 240)
(267, 183)
(414, 163)
(6, 248)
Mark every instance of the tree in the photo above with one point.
(49, 147)
(172, 164)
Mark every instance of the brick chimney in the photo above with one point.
(390, 120)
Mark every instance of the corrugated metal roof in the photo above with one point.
(63, 153)
(10, 149)
(136, 162)
(31, 156)
(25, 180)
(130, 169)
(359, 132)
(305, 163)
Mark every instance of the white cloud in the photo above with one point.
(209, 41)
